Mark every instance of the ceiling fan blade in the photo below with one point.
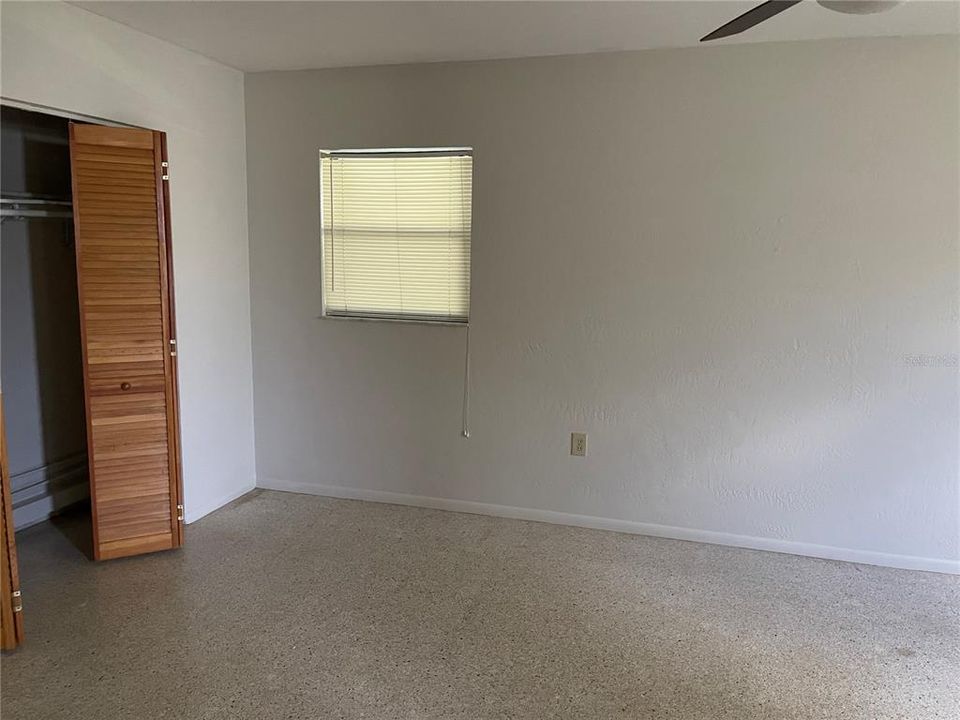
(751, 17)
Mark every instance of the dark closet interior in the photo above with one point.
(40, 347)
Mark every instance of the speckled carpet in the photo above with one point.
(291, 606)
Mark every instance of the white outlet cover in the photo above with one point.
(578, 444)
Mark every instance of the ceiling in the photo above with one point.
(256, 36)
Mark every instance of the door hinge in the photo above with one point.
(17, 601)
(173, 347)
(180, 513)
(165, 165)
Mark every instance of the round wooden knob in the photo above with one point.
(124, 386)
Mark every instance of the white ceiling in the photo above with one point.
(255, 36)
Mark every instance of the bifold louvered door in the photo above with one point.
(11, 617)
(129, 348)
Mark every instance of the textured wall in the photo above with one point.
(735, 268)
(64, 57)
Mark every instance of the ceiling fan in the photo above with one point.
(765, 11)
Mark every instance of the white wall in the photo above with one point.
(63, 57)
(735, 268)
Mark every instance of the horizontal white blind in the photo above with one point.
(396, 234)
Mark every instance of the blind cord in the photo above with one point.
(466, 387)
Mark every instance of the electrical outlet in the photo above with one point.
(578, 444)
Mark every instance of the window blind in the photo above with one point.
(396, 234)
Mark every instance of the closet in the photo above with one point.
(41, 364)
(88, 376)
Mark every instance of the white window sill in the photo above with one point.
(406, 321)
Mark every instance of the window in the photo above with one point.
(396, 233)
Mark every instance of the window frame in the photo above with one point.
(325, 312)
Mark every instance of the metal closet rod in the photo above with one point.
(35, 197)
(22, 207)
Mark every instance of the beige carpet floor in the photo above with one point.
(290, 606)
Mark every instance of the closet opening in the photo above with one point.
(88, 350)
(41, 358)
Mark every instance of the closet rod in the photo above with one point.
(33, 199)
(21, 208)
(24, 214)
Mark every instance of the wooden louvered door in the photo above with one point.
(129, 349)
(11, 619)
